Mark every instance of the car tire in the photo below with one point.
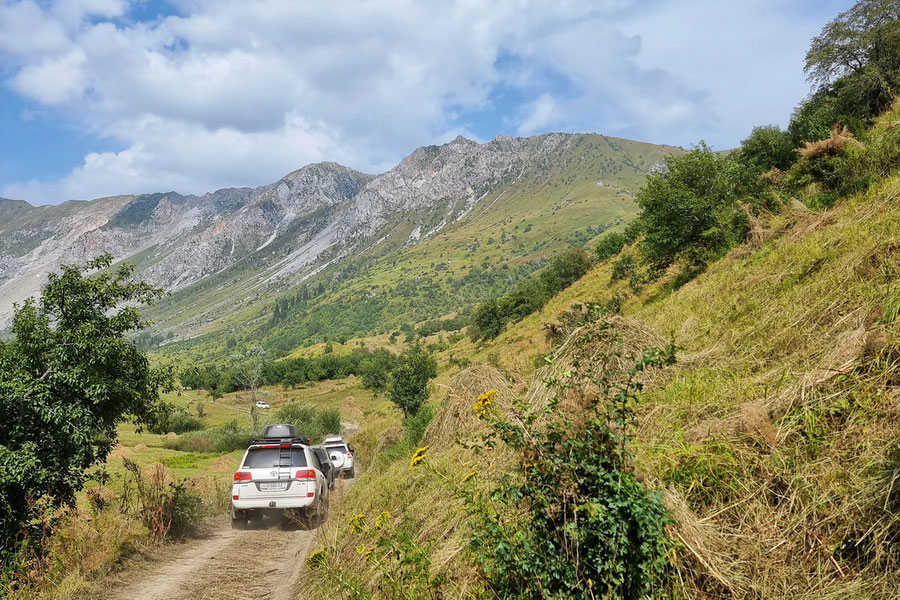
(238, 520)
(353, 472)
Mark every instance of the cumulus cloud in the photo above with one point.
(233, 92)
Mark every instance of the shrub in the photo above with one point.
(768, 147)
(609, 245)
(312, 421)
(218, 440)
(623, 267)
(530, 294)
(487, 320)
(576, 522)
(408, 385)
(166, 507)
(694, 209)
(175, 419)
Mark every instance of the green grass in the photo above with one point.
(774, 438)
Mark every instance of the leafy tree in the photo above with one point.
(68, 376)
(524, 298)
(768, 147)
(609, 245)
(408, 384)
(375, 370)
(565, 269)
(854, 64)
(862, 46)
(692, 210)
(487, 320)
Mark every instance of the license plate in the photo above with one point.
(271, 486)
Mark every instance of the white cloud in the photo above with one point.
(540, 114)
(238, 93)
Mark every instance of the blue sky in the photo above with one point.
(102, 97)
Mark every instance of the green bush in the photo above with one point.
(408, 384)
(695, 210)
(68, 376)
(488, 320)
(623, 267)
(576, 522)
(609, 245)
(529, 295)
(312, 421)
(218, 440)
(768, 147)
(176, 420)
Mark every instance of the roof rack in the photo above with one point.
(300, 439)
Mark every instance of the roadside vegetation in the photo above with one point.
(770, 443)
(698, 404)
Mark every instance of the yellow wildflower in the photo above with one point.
(469, 476)
(382, 520)
(483, 402)
(357, 523)
(419, 456)
(316, 559)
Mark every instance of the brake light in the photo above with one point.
(349, 455)
(306, 474)
(243, 476)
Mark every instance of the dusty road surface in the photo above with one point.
(263, 563)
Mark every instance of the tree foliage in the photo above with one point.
(768, 147)
(530, 294)
(855, 65)
(69, 375)
(408, 383)
(693, 210)
(609, 245)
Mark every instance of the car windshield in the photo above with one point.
(266, 458)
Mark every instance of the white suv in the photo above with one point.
(341, 455)
(279, 474)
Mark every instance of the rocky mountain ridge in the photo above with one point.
(284, 231)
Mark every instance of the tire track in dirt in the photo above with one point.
(265, 563)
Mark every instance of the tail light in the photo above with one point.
(349, 455)
(243, 476)
(305, 474)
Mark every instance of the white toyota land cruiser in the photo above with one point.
(341, 455)
(279, 473)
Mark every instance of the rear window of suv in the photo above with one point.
(266, 458)
(339, 447)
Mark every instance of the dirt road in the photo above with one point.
(264, 563)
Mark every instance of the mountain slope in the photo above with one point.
(446, 213)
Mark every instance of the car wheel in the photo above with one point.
(353, 472)
(238, 520)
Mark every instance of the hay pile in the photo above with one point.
(119, 452)
(455, 419)
(223, 464)
(610, 345)
(157, 474)
(830, 146)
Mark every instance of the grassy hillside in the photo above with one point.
(773, 438)
(510, 233)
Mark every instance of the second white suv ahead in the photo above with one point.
(341, 455)
(278, 475)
